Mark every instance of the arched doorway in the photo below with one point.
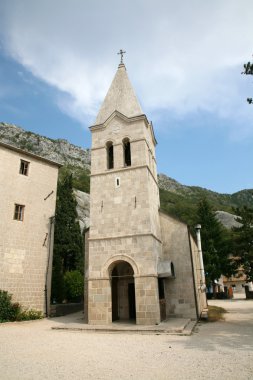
(123, 291)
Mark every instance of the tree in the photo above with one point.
(248, 70)
(68, 242)
(243, 241)
(215, 244)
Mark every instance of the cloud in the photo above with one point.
(181, 57)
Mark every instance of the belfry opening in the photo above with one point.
(122, 292)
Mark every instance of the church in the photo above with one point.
(141, 265)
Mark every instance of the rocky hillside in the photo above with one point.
(172, 185)
(57, 150)
(83, 208)
(228, 220)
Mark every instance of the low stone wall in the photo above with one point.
(59, 310)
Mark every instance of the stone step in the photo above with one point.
(175, 326)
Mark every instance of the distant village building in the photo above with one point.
(28, 185)
(237, 282)
(140, 263)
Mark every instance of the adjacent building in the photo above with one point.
(28, 185)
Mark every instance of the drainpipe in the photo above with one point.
(49, 265)
(202, 272)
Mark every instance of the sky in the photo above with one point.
(184, 60)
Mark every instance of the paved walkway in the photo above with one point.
(75, 322)
(220, 350)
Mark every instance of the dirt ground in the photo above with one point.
(219, 350)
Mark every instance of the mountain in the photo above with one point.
(181, 201)
(218, 200)
(59, 150)
(176, 199)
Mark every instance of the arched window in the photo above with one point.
(127, 152)
(110, 160)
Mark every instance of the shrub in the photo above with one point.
(29, 314)
(73, 284)
(215, 313)
(8, 310)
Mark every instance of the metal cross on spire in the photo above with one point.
(121, 52)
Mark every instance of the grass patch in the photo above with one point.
(215, 313)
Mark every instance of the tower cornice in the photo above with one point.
(102, 126)
(121, 116)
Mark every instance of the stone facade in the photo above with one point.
(125, 241)
(26, 240)
(183, 294)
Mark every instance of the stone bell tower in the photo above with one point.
(124, 239)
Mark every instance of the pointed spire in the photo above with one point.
(120, 97)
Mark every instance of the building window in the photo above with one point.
(19, 212)
(127, 152)
(23, 169)
(172, 269)
(117, 182)
(110, 158)
(161, 288)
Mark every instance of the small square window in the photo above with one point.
(23, 169)
(19, 212)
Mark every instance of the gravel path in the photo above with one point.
(221, 350)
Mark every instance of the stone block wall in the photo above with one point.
(183, 297)
(24, 245)
(120, 210)
(141, 253)
(99, 301)
(147, 300)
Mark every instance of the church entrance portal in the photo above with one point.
(123, 292)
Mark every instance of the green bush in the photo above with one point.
(29, 315)
(8, 311)
(73, 285)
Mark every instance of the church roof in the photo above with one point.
(120, 97)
